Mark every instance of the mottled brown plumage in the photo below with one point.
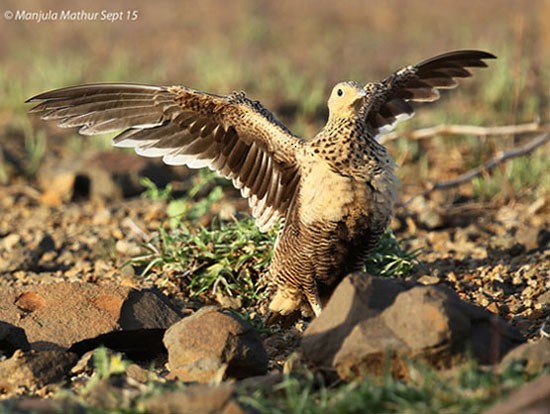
(335, 192)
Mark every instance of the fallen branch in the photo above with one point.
(466, 130)
(487, 166)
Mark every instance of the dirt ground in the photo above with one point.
(492, 250)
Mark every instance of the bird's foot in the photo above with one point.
(284, 302)
(316, 307)
(312, 296)
(289, 304)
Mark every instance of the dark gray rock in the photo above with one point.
(430, 316)
(357, 298)
(12, 338)
(147, 309)
(34, 369)
(369, 347)
(361, 329)
(504, 246)
(211, 344)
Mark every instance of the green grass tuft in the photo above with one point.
(222, 257)
(229, 257)
(390, 258)
(468, 389)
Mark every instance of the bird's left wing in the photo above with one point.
(387, 101)
(232, 135)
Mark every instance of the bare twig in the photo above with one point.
(467, 130)
(137, 231)
(488, 165)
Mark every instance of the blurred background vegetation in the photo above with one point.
(288, 54)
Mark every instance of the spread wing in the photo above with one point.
(232, 135)
(387, 101)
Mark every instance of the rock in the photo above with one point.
(147, 309)
(138, 374)
(229, 302)
(528, 236)
(196, 399)
(429, 280)
(357, 297)
(531, 398)
(427, 214)
(543, 238)
(55, 316)
(34, 369)
(427, 322)
(431, 219)
(369, 348)
(30, 301)
(504, 246)
(12, 338)
(26, 256)
(463, 235)
(533, 355)
(46, 244)
(42, 406)
(110, 175)
(85, 365)
(57, 188)
(212, 344)
(8, 242)
(425, 317)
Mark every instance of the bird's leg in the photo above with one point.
(312, 296)
(285, 301)
(288, 299)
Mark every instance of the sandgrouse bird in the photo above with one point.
(335, 192)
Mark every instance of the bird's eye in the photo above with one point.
(340, 92)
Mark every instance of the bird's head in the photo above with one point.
(345, 99)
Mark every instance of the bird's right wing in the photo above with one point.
(387, 101)
(232, 135)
